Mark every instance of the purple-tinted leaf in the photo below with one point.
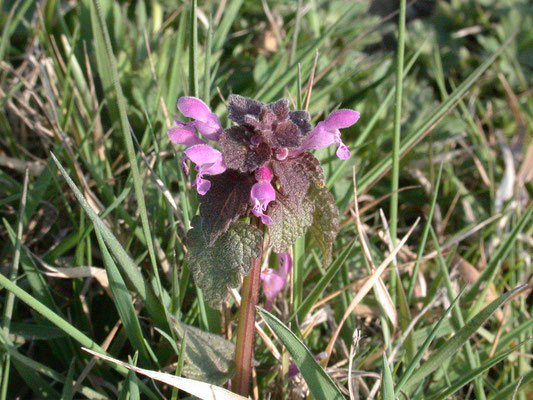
(240, 106)
(239, 153)
(325, 218)
(208, 356)
(283, 134)
(301, 119)
(227, 199)
(280, 109)
(294, 175)
(289, 222)
(216, 267)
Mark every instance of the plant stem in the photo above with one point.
(397, 133)
(244, 350)
(397, 125)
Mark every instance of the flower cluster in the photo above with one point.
(261, 167)
(264, 134)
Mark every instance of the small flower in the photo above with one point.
(327, 132)
(262, 194)
(274, 280)
(208, 162)
(293, 369)
(205, 121)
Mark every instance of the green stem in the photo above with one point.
(397, 134)
(244, 350)
(397, 126)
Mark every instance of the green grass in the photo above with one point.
(95, 83)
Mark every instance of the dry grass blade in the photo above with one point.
(77, 272)
(204, 391)
(382, 293)
(373, 279)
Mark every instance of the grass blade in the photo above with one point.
(319, 288)
(62, 324)
(397, 129)
(129, 269)
(458, 340)
(387, 385)
(123, 301)
(501, 253)
(103, 34)
(319, 382)
(471, 375)
(432, 120)
(204, 391)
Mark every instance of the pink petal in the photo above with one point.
(216, 168)
(184, 135)
(264, 174)
(273, 283)
(205, 121)
(202, 154)
(343, 152)
(284, 264)
(210, 129)
(194, 108)
(265, 219)
(340, 119)
(263, 192)
(318, 139)
(202, 185)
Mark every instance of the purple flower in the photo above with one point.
(262, 193)
(327, 132)
(208, 160)
(293, 369)
(205, 121)
(274, 280)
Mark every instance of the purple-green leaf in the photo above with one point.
(216, 268)
(290, 220)
(238, 151)
(295, 175)
(325, 218)
(226, 201)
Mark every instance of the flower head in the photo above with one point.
(274, 280)
(208, 160)
(268, 143)
(327, 132)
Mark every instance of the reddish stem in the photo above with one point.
(244, 350)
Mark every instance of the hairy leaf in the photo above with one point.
(289, 221)
(301, 119)
(274, 127)
(280, 109)
(227, 199)
(325, 218)
(239, 153)
(216, 268)
(240, 106)
(295, 175)
(282, 134)
(208, 357)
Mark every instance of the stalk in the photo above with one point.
(244, 349)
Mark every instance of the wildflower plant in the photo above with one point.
(261, 180)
